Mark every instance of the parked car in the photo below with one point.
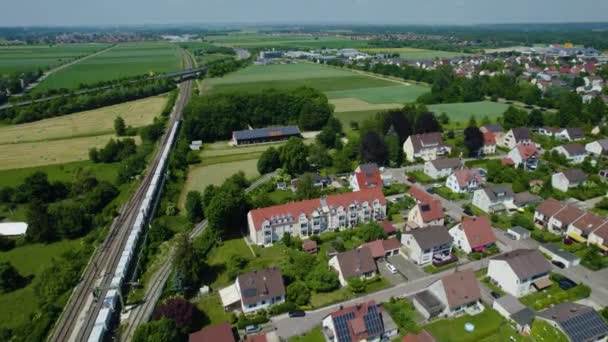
(495, 294)
(468, 211)
(252, 328)
(510, 236)
(297, 313)
(437, 185)
(566, 283)
(411, 179)
(391, 268)
(558, 264)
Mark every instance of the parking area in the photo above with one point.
(393, 278)
(406, 268)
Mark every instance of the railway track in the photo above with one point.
(77, 320)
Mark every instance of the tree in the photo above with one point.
(306, 187)
(187, 264)
(298, 293)
(514, 117)
(227, 208)
(235, 265)
(371, 231)
(373, 148)
(269, 161)
(10, 279)
(570, 107)
(208, 195)
(395, 149)
(357, 285)
(70, 218)
(341, 162)
(444, 119)
(39, 229)
(194, 206)
(473, 140)
(322, 279)
(6, 244)
(330, 134)
(119, 126)
(182, 312)
(427, 123)
(163, 330)
(596, 110)
(535, 118)
(319, 157)
(294, 156)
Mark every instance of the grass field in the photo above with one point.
(378, 95)
(285, 41)
(357, 116)
(125, 60)
(413, 53)
(94, 122)
(60, 172)
(201, 176)
(24, 155)
(33, 57)
(29, 260)
(460, 113)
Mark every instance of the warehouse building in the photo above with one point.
(264, 135)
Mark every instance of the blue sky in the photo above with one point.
(120, 12)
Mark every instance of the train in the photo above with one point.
(111, 300)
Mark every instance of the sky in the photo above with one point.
(436, 12)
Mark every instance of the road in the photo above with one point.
(78, 316)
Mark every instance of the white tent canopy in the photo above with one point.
(230, 295)
(13, 228)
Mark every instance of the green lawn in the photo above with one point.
(414, 53)
(211, 306)
(460, 113)
(315, 335)
(29, 260)
(432, 269)
(60, 172)
(378, 95)
(125, 60)
(33, 57)
(545, 332)
(258, 40)
(357, 116)
(488, 327)
(554, 295)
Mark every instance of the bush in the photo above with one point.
(245, 320)
(281, 308)
(6, 244)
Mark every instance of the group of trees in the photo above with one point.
(216, 116)
(114, 151)
(292, 157)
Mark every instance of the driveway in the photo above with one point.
(393, 278)
(406, 267)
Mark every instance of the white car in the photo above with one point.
(391, 268)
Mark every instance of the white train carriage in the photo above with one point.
(103, 317)
(116, 282)
(97, 334)
(111, 299)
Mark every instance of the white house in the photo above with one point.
(464, 180)
(570, 134)
(356, 263)
(599, 238)
(452, 295)
(493, 199)
(489, 144)
(520, 271)
(427, 146)
(426, 214)
(598, 147)
(525, 154)
(568, 179)
(315, 216)
(574, 153)
(514, 136)
(421, 246)
(13, 228)
(473, 234)
(366, 176)
(255, 291)
(555, 217)
(441, 168)
(492, 134)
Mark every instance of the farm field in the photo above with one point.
(460, 113)
(354, 116)
(23, 155)
(200, 176)
(28, 260)
(413, 53)
(287, 41)
(33, 57)
(125, 60)
(60, 172)
(94, 122)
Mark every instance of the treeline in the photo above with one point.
(15, 83)
(442, 45)
(215, 116)
(222, 67)
(76, 103)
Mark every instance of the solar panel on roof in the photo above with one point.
(585, 327)
(250, 293)
(373, 321)
(341, 323)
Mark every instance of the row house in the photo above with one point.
(427, 146)
(315, 216)
(473, 234)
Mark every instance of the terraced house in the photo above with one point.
(315, 216)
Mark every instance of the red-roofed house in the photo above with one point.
(360, 322)
(526, 155)
(215, 333)
(383, 248)
(270, 336)
(366, 176)
(315, 216)
(310, 246)
(419, 194)
(458, 293)
(388, 227)
(489, 143)
(464, 180)
(473, 234)
(426, 214)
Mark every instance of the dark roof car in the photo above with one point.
(558, 264)
(566, 283)
(297, 313)
(495, 294)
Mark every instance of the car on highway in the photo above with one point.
(495, 294)
(566, 283)
(252, 328)
(297, 313)
(391, 268)
(558, 264)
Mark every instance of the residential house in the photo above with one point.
(496, 131)
(315, 216)
(361, 322)
(598, 147)
(513, 310)
(473, 234)
(525, 154)
(571, 134)
(427, 146)
(419, 195)
(254, 291)
(489, 144)
(580, 229)
(422, 246)
(464, 180)
(514, 136)
(458, 293)
(426, 214)
(441, 168)
(568, 179)
(520, 271)
(574, 153)
(555, 217)
(556, 253)
(525, 198)
(580, 323)
(366, 176)
(356, 263)
(269, 336)
(549, 131)
(493, 199)
(383, 248)
(599, 238)
(215, 333)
